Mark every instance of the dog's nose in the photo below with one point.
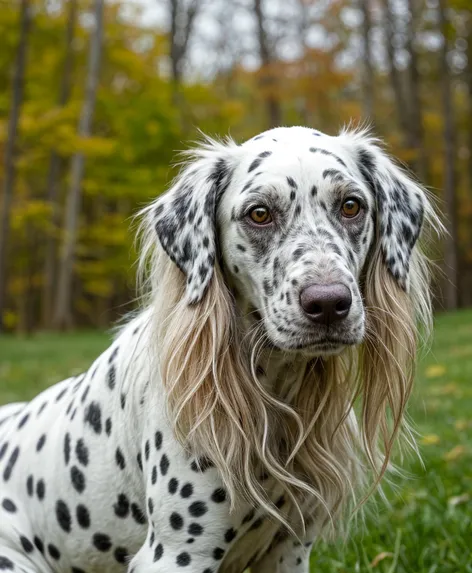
(325, 304)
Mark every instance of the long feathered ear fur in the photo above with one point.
(184, 217)
(319, 455)
(397, 295)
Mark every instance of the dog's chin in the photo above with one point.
(312, 348)
(309, 349)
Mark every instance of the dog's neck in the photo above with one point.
(281, 373)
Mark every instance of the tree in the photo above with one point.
(268, 79)
(53, 176)
(63, 314)
(450, 248)
(182, 20)
(367, 67)
(416, 131)
(10, 148)
(394, 75)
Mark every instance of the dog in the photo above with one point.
(254, 400)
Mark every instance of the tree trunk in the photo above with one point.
(272, 104)
(10, 149)
(49, 272)
(395, 80)
(182, 22)
(469, 84)
(450, 250)
(416, 130)
(63, 310)
(367, 67)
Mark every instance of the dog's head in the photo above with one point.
(293, 218)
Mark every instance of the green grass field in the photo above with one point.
(428, 527)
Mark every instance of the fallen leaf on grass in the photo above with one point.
(430, 440)
(380, 557)
(445, 390)
(462, 424)
(455, 453)
(458, 499)
(435, 371)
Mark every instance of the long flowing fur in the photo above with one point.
(325, 441)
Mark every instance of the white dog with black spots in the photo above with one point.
(217, 432)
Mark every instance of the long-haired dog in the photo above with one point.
(258, 394)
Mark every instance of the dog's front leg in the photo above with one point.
(289, 555)
(189, 522)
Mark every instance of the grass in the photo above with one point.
(427, 529)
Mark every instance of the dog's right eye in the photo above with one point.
(260, 215)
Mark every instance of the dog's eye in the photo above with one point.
(260, 215)
(350, 208)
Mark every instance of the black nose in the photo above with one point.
(325, 304)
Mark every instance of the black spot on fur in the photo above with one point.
(158, 552)
(81, 451)
(83, 516)
(120, 459)
(111, 377)
(138, 514)
(176, 521)
(187, 490)
(102, 542)
(54, 552)
(11, 463)
(164, 464)
(77, 478)
(29, 485)
(195, 529)
(63, 515)
(40, 489)
(219, 495)
(93, 416)
(120, 554)
(230, 535)
(28, 547)
(183, 559)
(218, 553)
(121, 507)
(8, 505)
(197, 509)
(40, 443)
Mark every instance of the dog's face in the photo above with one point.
(295, 226)
(292, 216)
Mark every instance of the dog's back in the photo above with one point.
(71, 485)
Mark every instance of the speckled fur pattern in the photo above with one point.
(92, 477)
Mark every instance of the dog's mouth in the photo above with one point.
(325, 345)
(320, 347)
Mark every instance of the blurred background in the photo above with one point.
(96, 98)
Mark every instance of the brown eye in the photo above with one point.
(350, 208)
(260, 215)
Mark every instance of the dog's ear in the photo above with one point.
(401, 203)
(185, 216)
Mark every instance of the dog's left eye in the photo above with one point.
(260, 215)
(350, 208)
